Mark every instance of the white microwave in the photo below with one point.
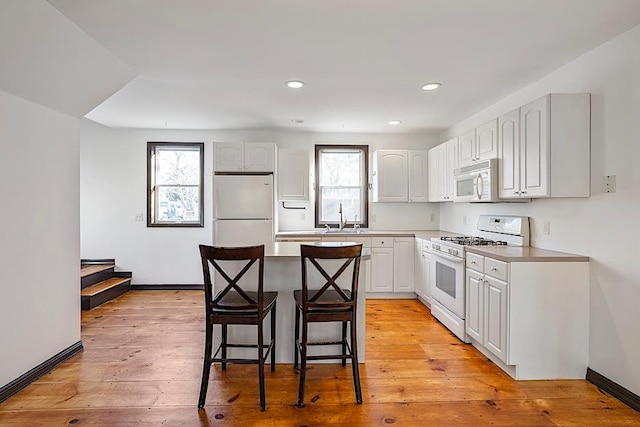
(477, 182)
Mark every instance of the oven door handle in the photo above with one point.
(449, 257)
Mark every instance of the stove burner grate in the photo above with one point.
(473, 241)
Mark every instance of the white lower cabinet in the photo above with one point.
(486, 304)
(530, 318)
(422, 270)
(403, 259)
(381, 269)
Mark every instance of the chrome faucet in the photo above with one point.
(342, 221)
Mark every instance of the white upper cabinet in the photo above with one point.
(293, 175)
(467, 148)
(418, 176)
(478, 144)
(544, 148)
(509, 154)
(390, 176)
(442, 160)
(244, 157)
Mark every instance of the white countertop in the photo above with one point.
(525, 254)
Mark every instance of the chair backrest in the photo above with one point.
(247, 255)
(310, 254)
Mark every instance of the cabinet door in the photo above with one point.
(381, 270)
(487, 140)
(228, 157)
(403, 249)
(474, 309)
(390, 174)
(259, 156)
(495, 307)
(509, 155)
(433, 183)
(451, 163)
(293, 174)
(426, 274)
(418, 166)
(467, 148)
(418, 268)
(534, 148)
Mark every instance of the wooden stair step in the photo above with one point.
(103, 286)
(89, 269)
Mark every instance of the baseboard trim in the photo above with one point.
(614, 389)
(45, 367)
(167, 287)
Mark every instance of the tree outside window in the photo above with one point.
(175, 184)
(341, 175)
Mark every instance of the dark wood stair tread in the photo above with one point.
(89, 269)
(103, 286)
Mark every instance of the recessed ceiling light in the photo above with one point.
(431, 86)
(298, 121)
(394, 122)
(295, 84)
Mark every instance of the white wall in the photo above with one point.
(113, 190)
(604, 226)
(39, 229)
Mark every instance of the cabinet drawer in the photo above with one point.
(497, 269)
(382, 242)
(475, 262)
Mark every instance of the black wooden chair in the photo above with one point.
(235, 306)
(329, 303)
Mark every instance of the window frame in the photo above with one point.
(363, 222)
(151, 187)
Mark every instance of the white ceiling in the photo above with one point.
(213, 64)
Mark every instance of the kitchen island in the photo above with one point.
(282, 273)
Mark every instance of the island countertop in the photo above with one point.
(291, 250)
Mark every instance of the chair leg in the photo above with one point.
(273, 338)
(296, 338)
(206, 368)
(224, 345)
(263, 404)
(344, 344)
(354, 362)
(303, 364)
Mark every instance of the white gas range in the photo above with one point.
(448, 269)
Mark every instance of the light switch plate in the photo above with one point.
(139, 217)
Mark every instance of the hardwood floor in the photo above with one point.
(143, 358)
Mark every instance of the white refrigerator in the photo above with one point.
(243, 210)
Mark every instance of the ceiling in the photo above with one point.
(214, 64)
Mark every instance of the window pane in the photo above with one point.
(178, 204)
(340, 168)
(351, 204)
(176, 166)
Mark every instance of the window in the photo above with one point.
(341, 176)
(175, 184)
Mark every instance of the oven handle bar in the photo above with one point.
(449, 257)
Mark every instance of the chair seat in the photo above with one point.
(331, 300)
(233, 303)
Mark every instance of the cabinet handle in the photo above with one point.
(473, 262)
(523, 192)
(494, 269)
(516, 193)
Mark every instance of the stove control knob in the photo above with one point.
(455, 252)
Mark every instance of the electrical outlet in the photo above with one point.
(303, 216)
(610, 184)
(464, 220)
(139, 217)
(373, 218)
(546, 227)
(432, 217)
